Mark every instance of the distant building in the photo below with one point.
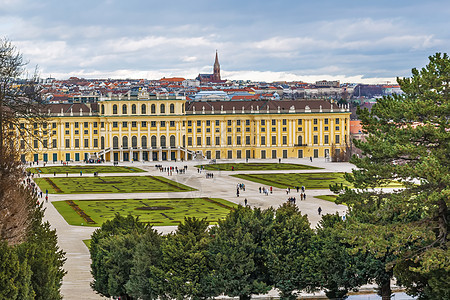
(212, 78)
(325, 83)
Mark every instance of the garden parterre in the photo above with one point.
(109, 184)
(160, 212)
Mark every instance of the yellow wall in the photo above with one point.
(285, 128)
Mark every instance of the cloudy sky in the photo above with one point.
(349, 40)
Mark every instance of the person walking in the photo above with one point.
(245, 201)
(319, 210)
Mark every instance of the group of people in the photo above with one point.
(265, 190)
(210, 175)
(28, 182)
(171, 170)
(239, 187)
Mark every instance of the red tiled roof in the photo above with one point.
(172, 79)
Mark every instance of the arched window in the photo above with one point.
(143, 109)
(115, 142)
(300, 140)
(133, 109)
(172, 108)
(144, 142)
(102, 142)
(162, 109)
(114, 109)
(153, 109)
(153, 140)
(103, 109)
(134, 142)
(163, 141)
(125, 142)
(124, 109)
(172, 141)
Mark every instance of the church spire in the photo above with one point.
(216, 75)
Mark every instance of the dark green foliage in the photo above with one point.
(408, 140)
(46, 261)
(9, 269)
(184, 260)
(116, 254)
(35, 266)
(286, 251)
(147, 278)
(331, 266)
(112, 248)
(237, 253)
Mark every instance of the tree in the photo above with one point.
(20, 103)
(147, 277)
(45, 259)
(116, 255)
(330, 264)
(237, 252)
(111, 249)
(30, 241)
(20, 98)
(287, 249)
(184, 261)
(9, 268)
(408, 140)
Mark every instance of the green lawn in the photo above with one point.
(85, 169)
(311, 181)
(160, 212)
(87, 243)
(284, 180)
(110, 184)
(256, 167)
(331, 198)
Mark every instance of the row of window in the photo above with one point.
(162, 109)
(262, 140)
(172, 110)
(143, 124)
(134, 141)
(262, 122)
(229, 153)
(85, 124)
(263, 154)
(153, 141)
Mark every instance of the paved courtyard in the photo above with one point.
(76, 282)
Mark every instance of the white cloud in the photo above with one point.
(189, 58)
(269, 76)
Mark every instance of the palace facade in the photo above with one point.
(159, 128)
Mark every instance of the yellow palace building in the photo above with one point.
(160, 128)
